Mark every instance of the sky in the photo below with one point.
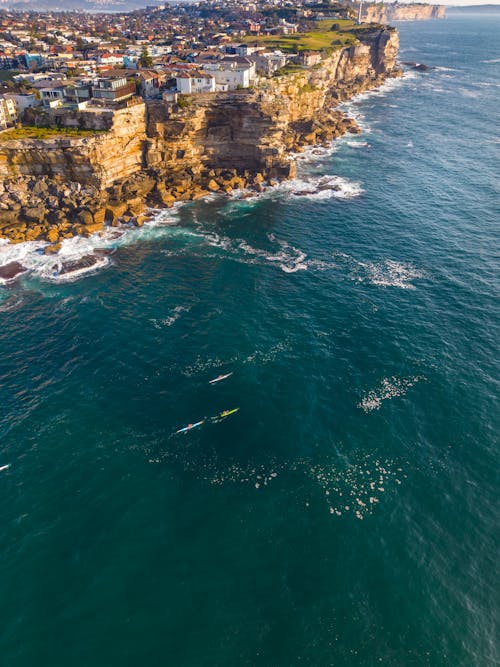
(462, 3)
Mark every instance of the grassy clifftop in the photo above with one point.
(329, 35)
(33, 132)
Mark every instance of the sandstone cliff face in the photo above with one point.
(256, 129)
(379, 13)
(96, 160)
(161, 153)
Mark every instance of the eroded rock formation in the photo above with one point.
(159, 153)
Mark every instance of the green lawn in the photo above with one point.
(33, 132)
(7, 74)
(318, 40)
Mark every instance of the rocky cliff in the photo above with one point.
(159, 153)
(256, 129)
(385, 13)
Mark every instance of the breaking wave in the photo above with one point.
(78, 256)
(281, 254)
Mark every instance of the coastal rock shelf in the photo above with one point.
(155, 153)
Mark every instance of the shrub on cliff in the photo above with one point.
(183, 101)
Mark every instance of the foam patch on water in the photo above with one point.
(171, 319)
(282, 254)
(466, 92)
(290, 259)
(350, 489)
(259, 357)
(358, 487)
(385, 273)
(389, 388)
(79, 256)
(390, 273)
(357, 144)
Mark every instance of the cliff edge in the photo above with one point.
(378, 12)
(156, 153)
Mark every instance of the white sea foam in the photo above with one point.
(473, 94)
(259, 357)
(321, 187)
(389, 388)
(284, 255)
(350, 489)
(171, 319)
(352, 106)
(357, 144)
(488, 84)
(78, 256)
(388, 273)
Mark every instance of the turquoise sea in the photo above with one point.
(347, 514)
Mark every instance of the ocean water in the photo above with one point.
(347, 514)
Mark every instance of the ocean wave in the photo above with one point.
(318, 187)
(78, 256)
(321, 187)
(389, 388)
(10, 303)
(487, 84)
(352, 106)
(441, 68)
(284, 255)
(473, 94)
(291, 259)
(357, 144)
(315, 153)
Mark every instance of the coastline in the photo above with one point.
(176, 155)
(80, 256)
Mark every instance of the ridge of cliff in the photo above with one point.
(385, 13)
(157, 153)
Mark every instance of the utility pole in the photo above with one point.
(359, 11)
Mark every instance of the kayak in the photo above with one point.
(189, 427)
(219, 378)
(224, 414)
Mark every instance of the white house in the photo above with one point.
(22, 101)
(195, 81)
(231, 73)
(112, 59)
(52, 93)
(8, 112)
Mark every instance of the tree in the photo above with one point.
(145, 59)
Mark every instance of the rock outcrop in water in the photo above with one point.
(158, 153)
